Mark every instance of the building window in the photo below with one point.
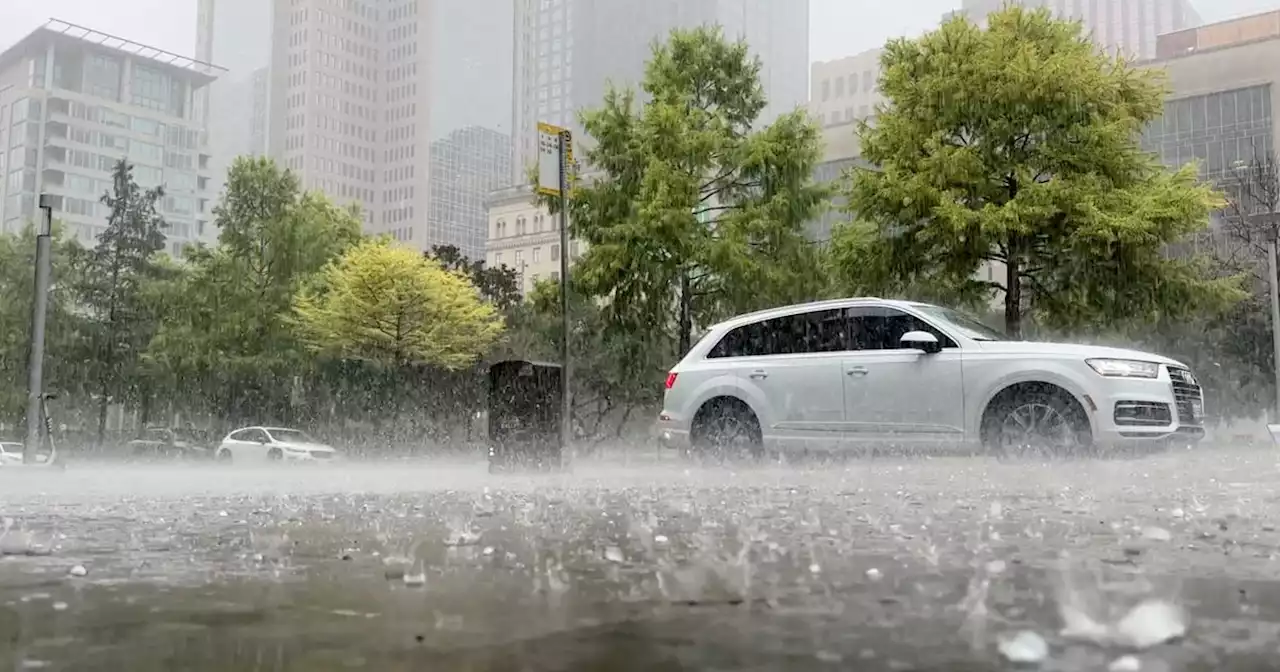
(573, 250)
(500, 228)
(555, 253)
(826, 89)
(102, 77)
(537, 254)
(520, 261)
(521, 228)
(839, 87)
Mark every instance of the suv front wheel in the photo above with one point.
(1036, 421)
(725, 429)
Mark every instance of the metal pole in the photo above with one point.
(39, 313)
(566, 397)
(1275, 317)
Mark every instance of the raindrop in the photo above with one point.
(1024, 647)
(78, 570)
(1157, 534)
(874, 574)
(1150, 623)
(1125, 664)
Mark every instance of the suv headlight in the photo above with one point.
(1124, 368)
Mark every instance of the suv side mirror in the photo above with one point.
(921, 340)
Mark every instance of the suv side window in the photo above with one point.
(881, 328)
(802, 333)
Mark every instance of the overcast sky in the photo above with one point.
(838, 27)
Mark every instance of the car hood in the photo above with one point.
(1073, 350)
(315, 447)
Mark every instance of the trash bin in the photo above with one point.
(524, 415)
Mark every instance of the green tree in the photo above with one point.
(498, 285)
(64, 335)
(616, 373)
(391, 305)
(694, 207)
(113, 292)
(1017, 145)
(228, 335)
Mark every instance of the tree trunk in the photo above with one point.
(144, 412)
(104, 405)
(686, 316)
(1013, 299)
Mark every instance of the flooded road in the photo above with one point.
(890, 564)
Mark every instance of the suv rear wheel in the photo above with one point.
(726, 429)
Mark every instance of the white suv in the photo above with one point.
(876, 373)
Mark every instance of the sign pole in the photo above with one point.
(39, 315)
(555, 158)
(566, 397)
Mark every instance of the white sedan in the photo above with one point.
(11, 453)
(273, 444)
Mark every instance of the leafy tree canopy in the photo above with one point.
(498, 285)
(1018, 145)
(692, 207)
(227, 333)
(390, 304)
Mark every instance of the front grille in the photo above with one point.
(1187, 396)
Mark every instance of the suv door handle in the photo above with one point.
(759, 374)
(857, 371)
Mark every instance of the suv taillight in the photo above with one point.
(671, 379)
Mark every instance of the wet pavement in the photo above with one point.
(888, 564)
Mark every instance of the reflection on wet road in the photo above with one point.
(888, 564)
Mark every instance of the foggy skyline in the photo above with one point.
(837, 27)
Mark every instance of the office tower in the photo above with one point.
(1129, 27)
(236, 35)
(73, 102)
(568, 52)
(846, 90)
(347, 99)
(471, 47)
(466, 166)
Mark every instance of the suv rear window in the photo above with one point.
(802, 333)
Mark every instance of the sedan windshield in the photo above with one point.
(967, 326)
(290, 436)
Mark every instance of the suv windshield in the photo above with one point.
(967, 326)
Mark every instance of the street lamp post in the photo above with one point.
(39, 315)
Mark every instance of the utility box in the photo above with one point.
(524, 415)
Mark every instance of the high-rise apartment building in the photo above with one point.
(466, 166)
(1128, 27)
(567, 53)
(74, 101)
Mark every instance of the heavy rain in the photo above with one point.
(610, 335)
